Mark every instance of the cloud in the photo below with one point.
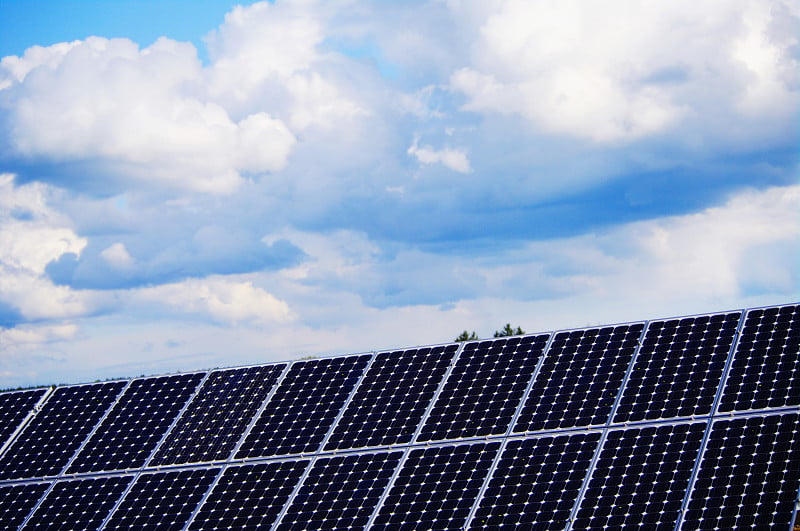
(31, 236)
(454, 159)
(630, 70)
(117, 256)
(141, 111)
(222, 299)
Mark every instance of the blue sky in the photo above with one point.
(234, 184)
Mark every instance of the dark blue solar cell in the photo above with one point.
(218, 415)
(536, 483)
(749, 476)
(640, 478)
(341, 492)
(678, 368)
(164, 500)
(304, 406)
(580, 378)
(14, 408)
(766, 366)
(389, 404)
(484, 388)
(249, 496)
(79, 503)
(436, 487)
(17, 501)
(56, 432)
(138, 421)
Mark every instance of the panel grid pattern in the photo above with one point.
(56, 432)
(249, 496)
(340, 492)
(141, 417)
(675, 460)
(16, 501)
(218, 415)
(766, 366)
(14, 408)
(436, 487)
(392, 398)
(303, 408)
(641, 477)
(536, 483)
(678, 368)
(484, 388)
(580, 378)
(749, 475)
(78, 504)
(164, 500)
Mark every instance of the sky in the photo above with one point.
(187, 187)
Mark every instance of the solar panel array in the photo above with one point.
(686, 423)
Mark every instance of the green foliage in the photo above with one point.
(508, 330)
(466, 336)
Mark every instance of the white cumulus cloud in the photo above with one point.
(455, 159)
(31, 236)
(626, 70)
(225, 300)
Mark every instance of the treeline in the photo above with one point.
(506, 331)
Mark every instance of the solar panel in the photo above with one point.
(392, 398)
(341, 492)
(16, 501)
(749, 475)
(14, 409)
(580, 378)
(304, 406)
(766, 366)
(78, 503)
(686, 423)
(484, 388)
(678, 368)
(143, 414)
(436, 487)
(249, 496)
(536, 482)
(164, 500)
(641, 477)
(218, 415)
(56, 432)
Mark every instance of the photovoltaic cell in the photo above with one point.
(749, 476)
(484, 388)
(14, 407)
(218, 415)
(392, 398)
(16, 501)
(56, 432)
(163, 500)
(536, 483)
(640, 478)
(766, 367)
(138, 421)
(249, 496)
(341, 492)
(436, 487)
(678, 369)
(580, 378)
(304, 406)
(78, 504)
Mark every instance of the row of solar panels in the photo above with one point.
(366, 401)
(550, 383)
(745, 476)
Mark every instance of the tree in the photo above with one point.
(466, 336)
(507, 331)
